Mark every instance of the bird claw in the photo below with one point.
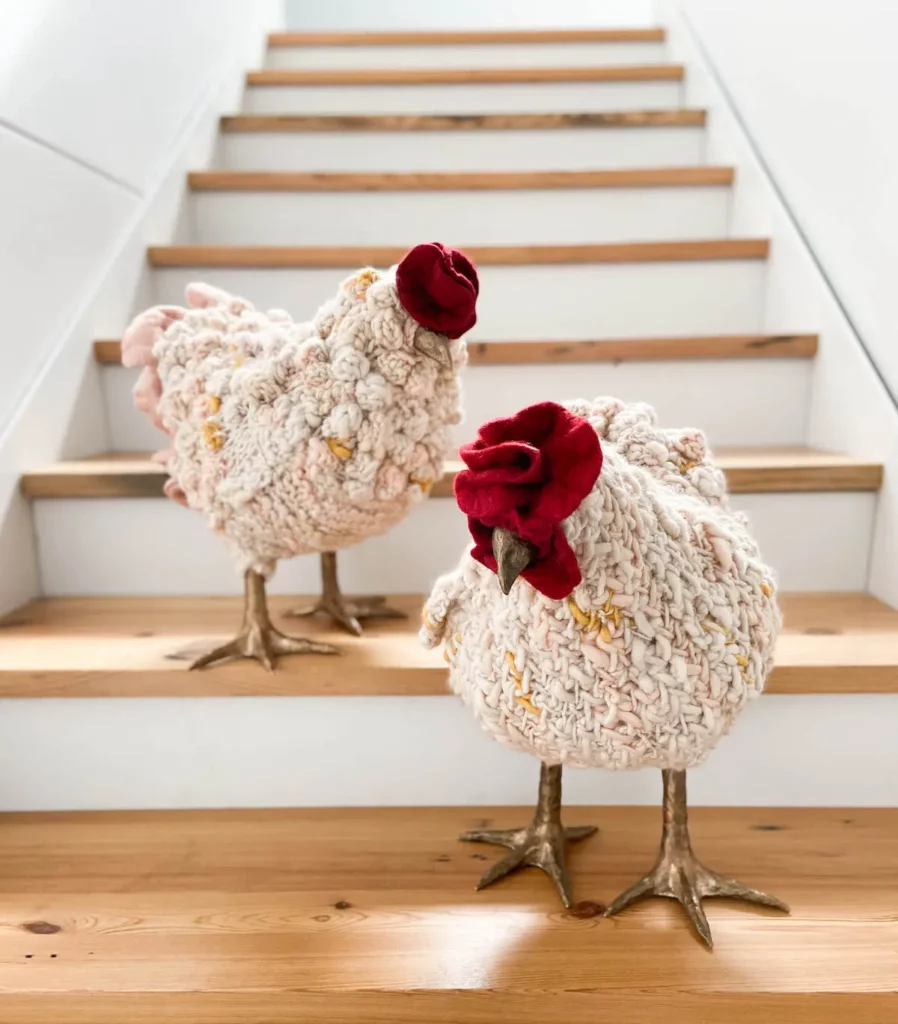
(347, 612)
(538, 845)
(264, 644)
(679, 875)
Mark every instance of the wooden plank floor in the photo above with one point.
(141, 647)
(369, 915)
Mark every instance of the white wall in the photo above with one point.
(99, 101)
(349, 15)
(814, 83)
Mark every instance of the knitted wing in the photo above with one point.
(677, 458)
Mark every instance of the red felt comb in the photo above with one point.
(438, 286)
(527, 473)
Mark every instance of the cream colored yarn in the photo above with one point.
(302, 437)
(670, 632)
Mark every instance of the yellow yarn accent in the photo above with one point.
(213, 436)
(580, 616)
(766, 588)
(423, 482)
(340, 448)
(521, 698)
(451, 647)
(214, 404)
(597, 619)
(527, 704)
(363, 282)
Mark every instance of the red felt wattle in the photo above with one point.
(438, 286)
(527, 473)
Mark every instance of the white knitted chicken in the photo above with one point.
(307, 437)
(644, 621)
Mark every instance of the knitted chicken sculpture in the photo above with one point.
(643, 621)
(307, 437)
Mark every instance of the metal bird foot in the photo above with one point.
(346, 612)
(262, 643)
(541, 844)
(258, 638)
(343, 611)
(680, 875)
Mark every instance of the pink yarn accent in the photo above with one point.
(137, 350)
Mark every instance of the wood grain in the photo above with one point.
(748, 471)
(481, 181)
(418, 1006)
(273, 256)
(733, 346)
(466, 76)
(462, 122)
(141, 647)
(509, 353)
(768, 470)
(368, 915)
(484, 38)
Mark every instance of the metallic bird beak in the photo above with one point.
(434, 347)
(513, 555)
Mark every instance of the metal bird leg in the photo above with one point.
(679, 874)
(343, 611)
(541, 844)
(257, 638)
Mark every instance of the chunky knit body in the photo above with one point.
(654, 654)
(298, 437)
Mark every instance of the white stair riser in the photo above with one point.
(736, 402)
(481, 218)
(506, 55)
(119, 754)
(577, 149)
(532, 303)
(474, 98)
(143, 546)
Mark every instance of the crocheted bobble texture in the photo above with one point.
(671, 630)
(299, 437)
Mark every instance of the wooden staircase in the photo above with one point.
(566, 165)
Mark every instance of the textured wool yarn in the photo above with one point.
(302, 437)
(670, 631)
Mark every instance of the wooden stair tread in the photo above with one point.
(468, 38)
(749, 470)
(357, 915)
(285, 256)
(456, 181)
(141, 647)
(108, 351)
(466, 76)
(678, 118)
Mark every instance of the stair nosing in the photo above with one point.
(594, 120)
(465, 38)
(107, 351)
(141, 656)
(758, 471)
(373, 77)
(460, 181)
(352, 257)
